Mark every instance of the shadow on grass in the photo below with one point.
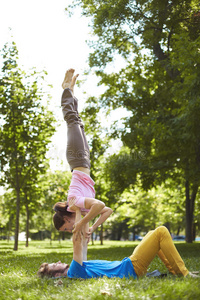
(6, 251)
(28, 263)
(56, 247)
(6, 247)
(18, 271)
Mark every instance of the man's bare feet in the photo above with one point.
(69, 80)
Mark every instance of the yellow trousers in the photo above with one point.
(158, 242)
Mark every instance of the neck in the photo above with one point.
(63, 274)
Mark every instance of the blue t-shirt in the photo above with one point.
(100, 268)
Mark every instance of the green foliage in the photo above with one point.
(158, 83)
(54, 189)
(146, 210)
(98, 142)
(19, 281)
(26, 131)
(94, 132)
(27, 124)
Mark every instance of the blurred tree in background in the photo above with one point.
(52, 187)
(55, 188)
(26, 130)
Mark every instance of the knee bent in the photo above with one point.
(162, 229)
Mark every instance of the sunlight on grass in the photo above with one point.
(19, 281)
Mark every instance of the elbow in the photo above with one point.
(100, 205)
(110, 211)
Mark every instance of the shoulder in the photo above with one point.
(76, 270)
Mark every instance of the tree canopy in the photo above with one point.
(157, 81)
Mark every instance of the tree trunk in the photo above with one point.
(101, 234)
(188, 229)
(17, 219)
(27, 220)
(92, 238)
(119, 231)
(167, 224)
(51, 228)
(17, 189)
(194, 232)
(134, 234)
(190, 201)
(9, 229)
(178, 230)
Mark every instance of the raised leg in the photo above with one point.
(156, 240)
(78, 154)
(68, 102)
(166, 262)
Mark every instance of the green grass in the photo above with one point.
(19, 281)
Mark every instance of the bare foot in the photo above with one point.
(69, 80)
(73, 83)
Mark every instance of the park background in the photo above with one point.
(139, 98)
(138, 94)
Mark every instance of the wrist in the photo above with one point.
(80, 223)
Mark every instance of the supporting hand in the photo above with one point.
(77, 227)
(87, 235)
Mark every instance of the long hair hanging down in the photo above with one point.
(61, 210)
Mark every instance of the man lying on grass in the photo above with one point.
(157, 241)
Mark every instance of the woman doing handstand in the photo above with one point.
(78, 156)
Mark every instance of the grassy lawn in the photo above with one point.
(19, 281)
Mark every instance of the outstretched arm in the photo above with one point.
(80, 238)
(105, 213)
(85, 241)
(95, 207)
(77, 239)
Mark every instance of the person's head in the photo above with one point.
(53, 270)
(63, 219)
